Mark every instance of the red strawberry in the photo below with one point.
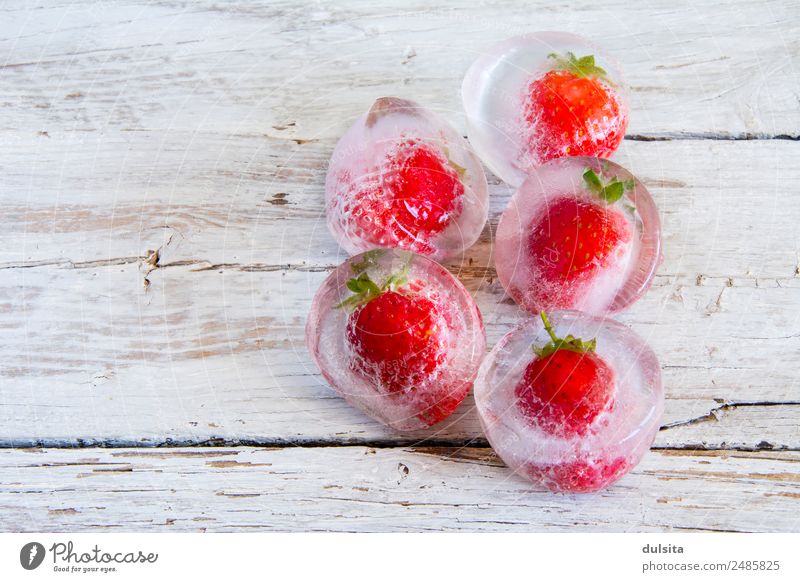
(396, 339)
(440, 405)
(398, 342)
(579, 476)
(425, 188)
(574, 238)
(573, 110)
(565, 387)
(420, 193)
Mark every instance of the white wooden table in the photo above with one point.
(162, 235)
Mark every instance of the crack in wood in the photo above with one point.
(706, 529)
(419, 445)
(713, 415)
(68, 264)
(153, 260)
(712, 136)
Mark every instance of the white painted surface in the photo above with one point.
(203, 130)
(368, 489)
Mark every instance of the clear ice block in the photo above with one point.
(512, 134)
(401, 177)
(623, 260)
(615, 441)
(397, 336)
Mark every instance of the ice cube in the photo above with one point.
(401, 177)
(565, 242)
(614, 441)
(540, 96)
(397, 336)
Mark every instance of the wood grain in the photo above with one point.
(301, 70)
(729, 208)
(196, 332)
(368, 489)
(162, 235)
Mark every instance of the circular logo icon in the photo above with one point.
(31, 555)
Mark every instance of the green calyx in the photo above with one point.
(580, 67)
(609, 191)
(364, 288)
(570, 343)
(368, 260)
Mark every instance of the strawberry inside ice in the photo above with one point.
(577, 414)
(572, 241)
(564, 393)
(570, 114)
(397, 338)
(579, 476)
(419, 195)
(425, 191)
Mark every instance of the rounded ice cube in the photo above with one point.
(612, 443)
(580, 233)
(541, 96)
(397, 336)
(401, 177)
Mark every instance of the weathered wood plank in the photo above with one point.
(203, 130)
(729, 208)
(301, 70)
(92, 353)
(221, 320)
(364, 489)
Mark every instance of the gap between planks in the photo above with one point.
(399, 441)
(388, 443)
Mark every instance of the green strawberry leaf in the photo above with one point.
(613, 191)
(364, 288)
(610, 191)
(592, 180)
(556, 343)
(396, 280)
(580, 67)
(370, 259)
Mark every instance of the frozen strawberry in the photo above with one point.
(579, 476)
(419, 195)
(401, 177)
(575, 238)
(565, 387)
(574, 110)
(542, 96)
(398, 336)
(576, 415)
(435, 409)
